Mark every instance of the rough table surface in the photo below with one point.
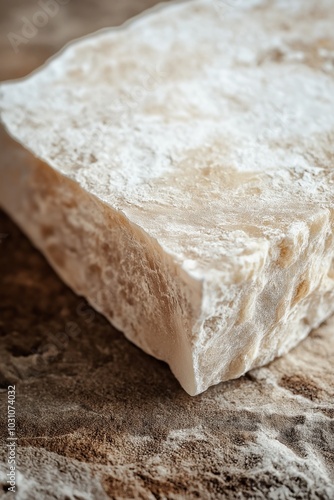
(97, 418)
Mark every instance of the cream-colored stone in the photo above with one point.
(178, 173)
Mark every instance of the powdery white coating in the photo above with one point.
(178, 173)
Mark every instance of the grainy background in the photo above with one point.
(97, 418)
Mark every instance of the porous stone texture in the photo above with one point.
(178, 173)
(97, 418)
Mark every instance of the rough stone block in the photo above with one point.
(178, 173)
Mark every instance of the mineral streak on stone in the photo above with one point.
(178, 173)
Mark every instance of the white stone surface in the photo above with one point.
(178, 172)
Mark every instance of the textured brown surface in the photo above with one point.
(98, 418)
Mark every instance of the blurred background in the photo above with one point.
(33, 30)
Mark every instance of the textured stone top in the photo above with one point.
(158, 123)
